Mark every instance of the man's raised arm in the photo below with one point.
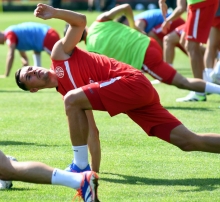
(163, 7)
(77, 22)
(118, 11)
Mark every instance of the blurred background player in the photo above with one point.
(158, 34)
(181, 8)
(170, 41)
(149, 19)
(107, 37)
(196, 31)
(172, 38)
(175, 39)
(25, 37)
(150, 22)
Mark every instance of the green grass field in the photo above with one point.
(134, 167)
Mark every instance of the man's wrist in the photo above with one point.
(55, 13)
(167, 21)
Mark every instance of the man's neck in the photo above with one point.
(53, 80)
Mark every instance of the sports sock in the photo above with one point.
(80, 156)
(68, 179)
(37, 60)
(212, 88)
(206, 74)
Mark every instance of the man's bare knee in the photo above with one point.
(69, 103)
(76, 100)
(167, 40)
(193, 48)
(70, 98)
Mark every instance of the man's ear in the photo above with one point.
(33, 90)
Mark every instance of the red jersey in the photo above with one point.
(117, 88)
(83, 68)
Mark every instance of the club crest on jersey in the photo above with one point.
(59, 72)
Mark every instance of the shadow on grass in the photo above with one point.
(205, 184)
(14, 143)
(4, 143)
(12, 91)
(17, 189)
(21, 91)
(188, 108)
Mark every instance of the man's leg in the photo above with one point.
(34, 172)
(187, 140)
(189, 83)
(40, 173)
(212, 47)
(197, 30)
(155, 66)
(169, 43)
(196, 58)
(94, 148)
(194, 84)
(211, 52)
(94, 142)
(76, 104)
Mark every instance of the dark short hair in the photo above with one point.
(19, 83)
(121, 19)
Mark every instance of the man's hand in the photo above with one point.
(165, 26)
(44, 11)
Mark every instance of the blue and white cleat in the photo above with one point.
(88, 190)
(75, 169)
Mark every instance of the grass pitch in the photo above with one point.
(134, 167)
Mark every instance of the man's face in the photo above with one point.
(34, 78)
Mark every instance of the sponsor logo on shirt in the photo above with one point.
(59, 72)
